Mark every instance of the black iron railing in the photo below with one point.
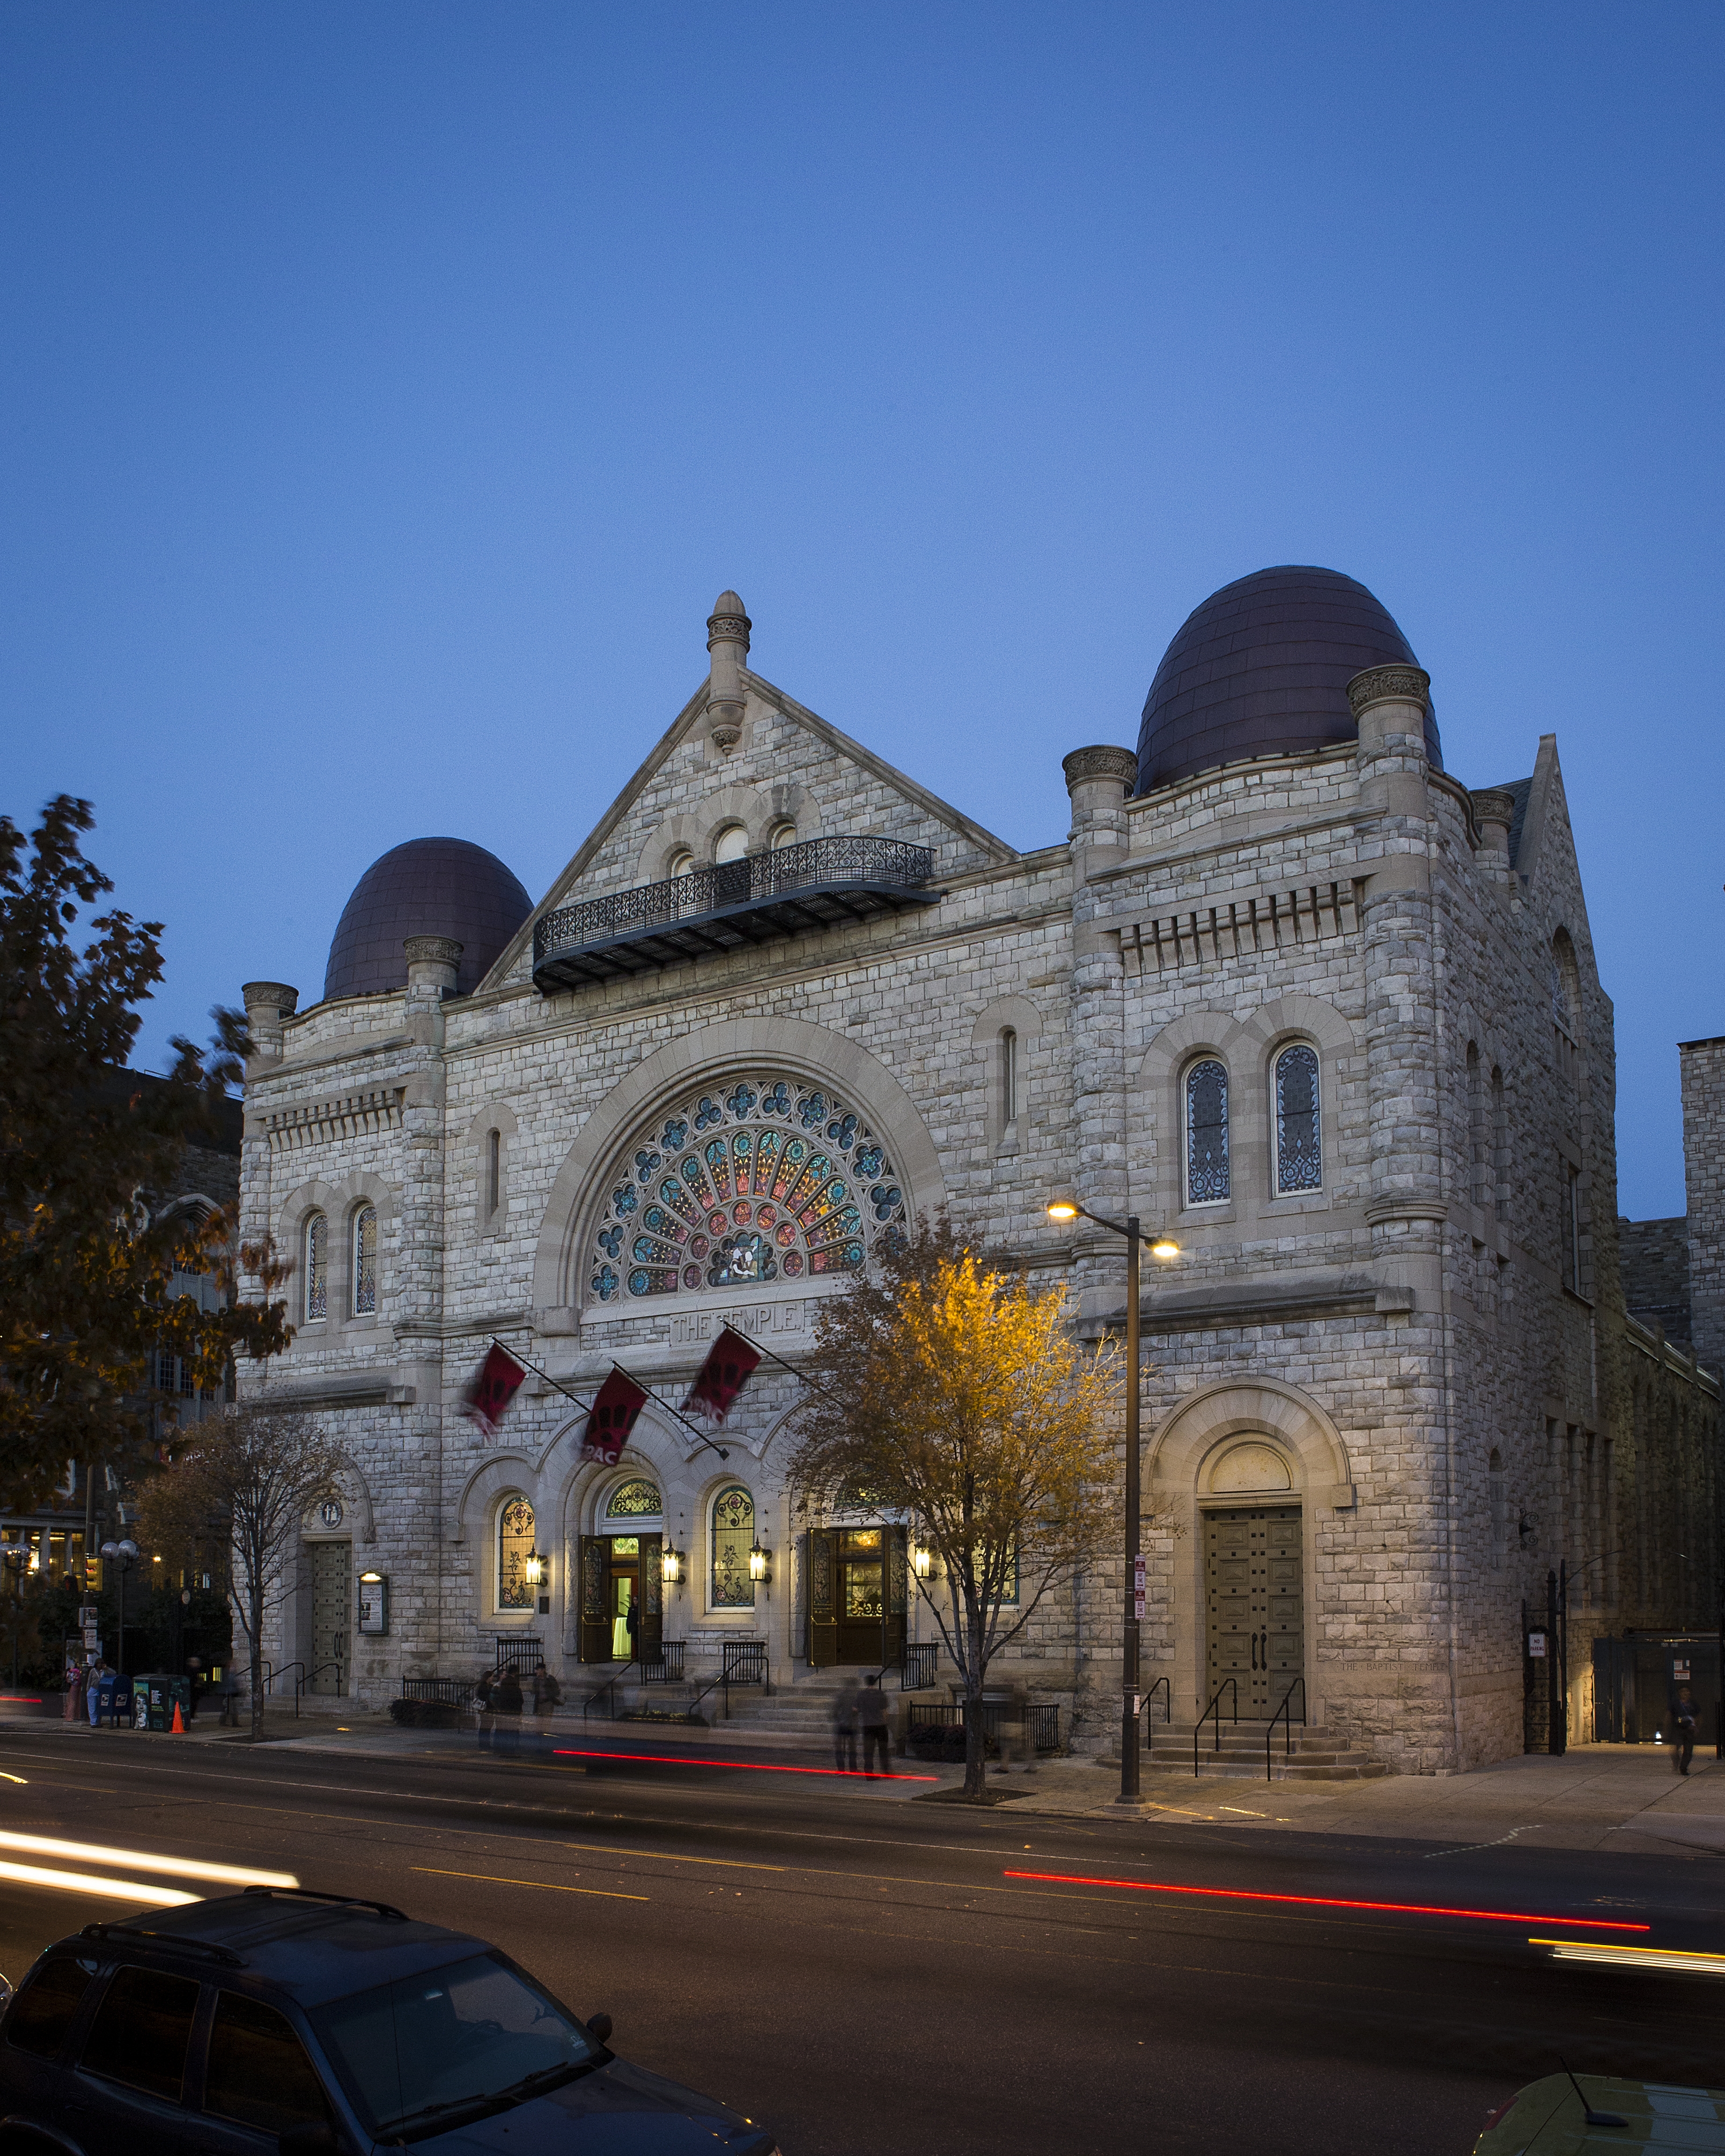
(1229, 1686)
(810, 885)
(918, 1666)
(520, 1652)
(1160, 1685)
(1285, 1715)
(746, 1662)
(663, 1664)
(438, 1691)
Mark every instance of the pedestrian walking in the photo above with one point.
(482, 1692)
(547, 1698)
(92, 1692)
(1683, 1743)
(872, 1712)
(844, 1727)
(230, 1690)
(506, 1704)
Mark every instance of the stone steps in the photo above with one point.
(1317, 1754)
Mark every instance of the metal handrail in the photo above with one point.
(812, 862)
(1161, 1684)
(1215, 1708)
(302, 1685)
(609, 1686)
(270, 1681)
(1285, 1715)
(727, 1675)
(923, 1656)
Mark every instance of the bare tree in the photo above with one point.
(260, 1470)
(957, 1394)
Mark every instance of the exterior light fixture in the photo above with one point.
(924, 1561)
(1165, 1248)
(1063, 1209)
(373, 1604)
(671, 1564)
(760, 1564)
(533, 1569)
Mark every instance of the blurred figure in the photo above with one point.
(871, 1711)
(482, 1694)
(1683, 1743)
(548, 1697)
(507, 1704)
(844, 1727)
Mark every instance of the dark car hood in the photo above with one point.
(620, 2111)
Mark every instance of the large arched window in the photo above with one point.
(1299, 1155)
(515, 1546)
(766, 1178)
(733, 1535)
(365, 1262)
(1207, 1181)
(317, 1269)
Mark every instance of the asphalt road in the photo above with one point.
(865, 1974)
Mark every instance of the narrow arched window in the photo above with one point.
(682, 863)
(317, 1269)
(493, 1171)
(1009, 1076)
(1478, 1143)
(1497, 1497)
(1299, 1158)
(733, 1533)
(733, 843)
(783, 835)
(515, 1590)
(1206, 1173)
(365, 1262)
(1500, 1146)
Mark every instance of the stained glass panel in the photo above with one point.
(1207, 1175)
(733, 1533)
(636, 1500)
(1299, 1163)
(515, 1546)
(317, 1268)
(724, 1196)
(365, 1261)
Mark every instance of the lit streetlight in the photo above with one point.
(1165, 1250)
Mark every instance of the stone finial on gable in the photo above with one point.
(728, 639)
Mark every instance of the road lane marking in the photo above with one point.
(85, 1883)
(140, 1860)
(1647, 1957)
(1331, 1902)
(741, 1766)
(659, 1857)
(544, 1886)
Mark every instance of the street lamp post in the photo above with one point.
(1164, 1248)
(122, 1556)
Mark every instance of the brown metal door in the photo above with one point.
(822, 1624)
(595, 1632)
(1254, 1575)
(652, 1603)
(331, 1594)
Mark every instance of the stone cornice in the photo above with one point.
(1100, 762)
(1378, 1210)
(1377, 684)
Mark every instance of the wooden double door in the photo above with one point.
(1254, 1606)
(622, 1597)
(858, 1585)
(331, 1566)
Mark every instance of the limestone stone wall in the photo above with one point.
(1703, 1082)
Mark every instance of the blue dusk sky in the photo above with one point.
(388, 391)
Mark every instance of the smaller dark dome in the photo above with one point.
(1263, 666)
(428, 887)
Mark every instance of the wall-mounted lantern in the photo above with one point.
(671, 1564)
(761, 1565)
(536, 1570)
(924, 1563)
(373, 1605)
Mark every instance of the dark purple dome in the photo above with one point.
(1262, 667)
(428, 887)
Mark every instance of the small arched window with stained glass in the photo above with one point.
(733, 1535)
(638, 1499)
(1208, 1179)
(317, 1269)
(365, 1262)
(1299, 1151)
(515, 1546)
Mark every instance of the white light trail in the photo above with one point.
(86, 1882)
(140, 1859)
(1647, 1957)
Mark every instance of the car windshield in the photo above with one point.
(413, 2051)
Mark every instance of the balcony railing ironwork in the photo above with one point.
(816, 883)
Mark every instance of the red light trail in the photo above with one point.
(1328, 1901)
(755, 1767)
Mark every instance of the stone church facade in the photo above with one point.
(1284, 988)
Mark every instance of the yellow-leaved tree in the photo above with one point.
(954, 1392)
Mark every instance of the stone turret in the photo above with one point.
(727, 640)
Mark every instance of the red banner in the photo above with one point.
(730, 1362)
(487, 1400)
(620, 1400)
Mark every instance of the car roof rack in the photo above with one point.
(163, 1939)
(339, 1901)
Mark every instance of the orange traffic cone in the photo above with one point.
(179, 1728)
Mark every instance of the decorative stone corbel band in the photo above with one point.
(1100, 762)
(434, 964)
(1380, 685)
(1380, 1209)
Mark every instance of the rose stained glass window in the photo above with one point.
(759, 1180)
(733, 1535)
(1207, 1178)
(317, 1268)
(636, 1500)
(515, 1546)
(1299, 1161)
(365, 1261)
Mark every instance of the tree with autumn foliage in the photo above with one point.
(954, 1392)
(87, 1253)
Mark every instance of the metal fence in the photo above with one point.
(918, 1667)
(810, 863)
(746, 1662)
(438, 1691)
(663, 1664)
(940, 1724)
(522, 1655)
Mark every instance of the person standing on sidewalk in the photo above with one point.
(506, 1700)
(844, 1727)
(482, 1707)
(548, 1697)
(1683, 1743)
(871, 1711)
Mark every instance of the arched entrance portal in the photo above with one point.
(622, 1575)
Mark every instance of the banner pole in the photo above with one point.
(669, 1409)
(546, 1374)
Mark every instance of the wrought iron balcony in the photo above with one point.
(814, 884)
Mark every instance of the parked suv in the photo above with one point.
(279, 2022)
